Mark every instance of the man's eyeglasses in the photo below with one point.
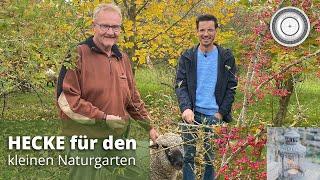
(106, 27)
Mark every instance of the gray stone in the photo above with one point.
(273, 170)
(309, 136)
(312, 171)
(317, 138)
(314, 130)
(313, 143)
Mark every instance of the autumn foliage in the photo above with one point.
(240, 152)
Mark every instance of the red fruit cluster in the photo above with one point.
(247, 149)
(306, 4)
(280, 92)
(317, 26)
(259, 29)
(318, 74)
(294, 2)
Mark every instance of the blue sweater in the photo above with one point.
(207, 73)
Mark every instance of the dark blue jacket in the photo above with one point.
(186, 81)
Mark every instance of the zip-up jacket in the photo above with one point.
(186, 81)
(98, 86)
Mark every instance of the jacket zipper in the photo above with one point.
(110, 69)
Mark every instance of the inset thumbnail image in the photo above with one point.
(293, 154)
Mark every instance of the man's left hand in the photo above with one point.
(153, 134)
(218, 116)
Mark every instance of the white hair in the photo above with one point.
(106, 7)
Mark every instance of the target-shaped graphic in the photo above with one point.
(290, 26)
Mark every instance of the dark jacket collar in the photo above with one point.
(115, 49)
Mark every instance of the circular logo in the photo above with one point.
(290, 26)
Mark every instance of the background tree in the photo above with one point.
(161, 30)
(273, 69)
(34, 37)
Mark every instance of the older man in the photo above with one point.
(102, 86)
(100, 90)
(205, 87)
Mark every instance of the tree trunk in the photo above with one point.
(132, 10)
(283, 103)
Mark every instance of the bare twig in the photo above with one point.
(295, 91)
(4, 102)
(142, 7)
(167, 84)
(4, 105)
(126, 6)
(37, 94)
(224, 155)
(250, 76)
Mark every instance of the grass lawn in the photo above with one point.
(308, 95)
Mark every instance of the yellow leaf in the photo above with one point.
(129, 44)
(173, 62)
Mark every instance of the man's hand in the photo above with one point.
(188, 116)
(218, 116)
(115, 122)
(112, 117)
(153, 135)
